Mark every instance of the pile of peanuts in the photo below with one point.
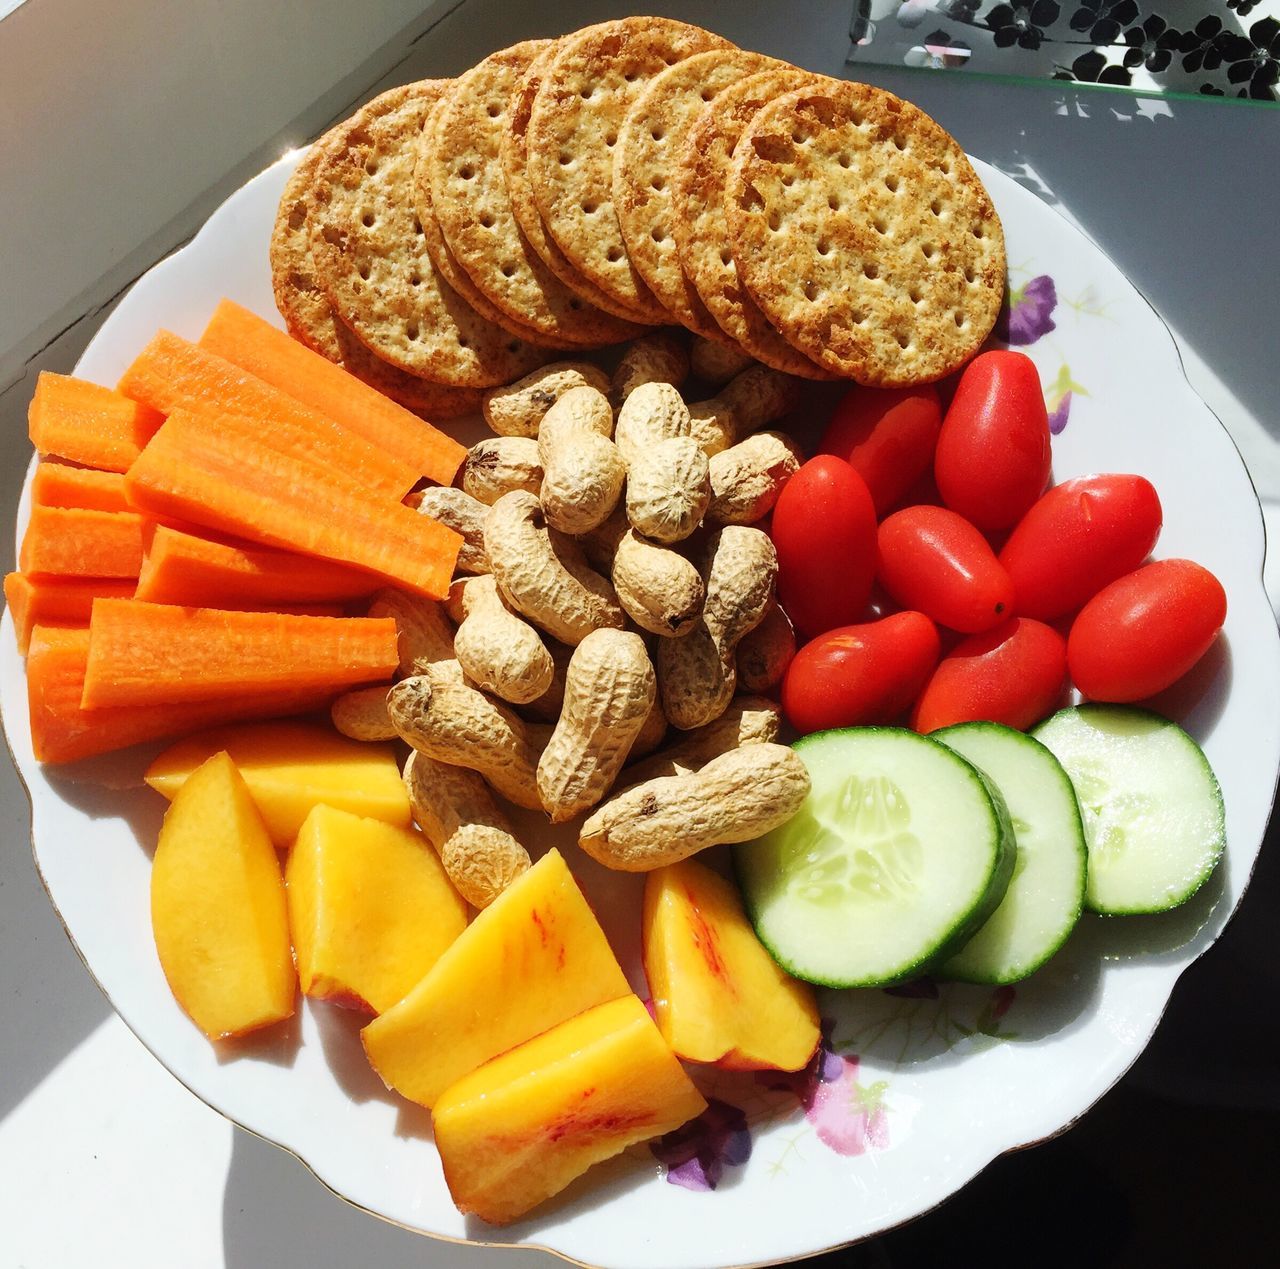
(614, 586)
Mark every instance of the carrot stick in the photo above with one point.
(61, 731)
(142, 653)
(86, 423)
(61, 485)
(171, 373)
(251, 343)
(183, 568)
(299, 610)
(221, 477)
(68, 601)
(55, 601)
(79, 542)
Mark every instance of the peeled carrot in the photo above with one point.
(142, 653)
(86, 423)
(221, 477)
(61, 731)
(47, 601)
(253, 344)
(68, 601)
(171, 373)
(300, 610)
(183, 568)
(80, 542)
(61, 485)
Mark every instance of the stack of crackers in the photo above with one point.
(566, 194)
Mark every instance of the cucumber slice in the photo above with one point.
(1043, 902)
(1153, 814)
(901, 851)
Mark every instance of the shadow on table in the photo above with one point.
(51, 1003)
(274, 1212)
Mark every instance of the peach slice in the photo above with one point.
(717, 993)
(524, 1125)
(370, 907)
(218, 907)
(534, 957)
(291, 767)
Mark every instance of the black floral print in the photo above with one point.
(965, 10)
(1154, 42)
(1102, 21)
(1204, 45)
(1022, 22)
(1125, 43)
(1257, 59)
(1092, 68)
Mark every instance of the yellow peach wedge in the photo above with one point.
(218, 907)
(291, 767)
(717, 993)
(524, 1125)
(534, 957)
(370, 908)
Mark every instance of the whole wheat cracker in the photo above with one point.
(864, 234)
(578, 112)
(702, 231)
(468, 191)
(307, 313)
(442, 254)
(371, 256)
(310, 319)
(643, 162)
(515, 168)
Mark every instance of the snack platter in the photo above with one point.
(915, 1088)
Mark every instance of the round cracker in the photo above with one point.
(371, 256)
(643, 161)
(439, 250)
(462, 164)
(864, 234)
(701, 229)
(515, 168)
(310, 319)
(308, 315)
(578, 112)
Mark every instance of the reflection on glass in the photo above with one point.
(1214, 48)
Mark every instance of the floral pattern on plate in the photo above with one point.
(847, 1109)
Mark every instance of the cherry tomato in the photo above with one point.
(1081, 535)
(1013, 674)
(992, 459)
(887, 436)
(867, 673)
(935, 561)
(824, 529)
(1145, 630)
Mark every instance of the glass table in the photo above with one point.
(1228, 49)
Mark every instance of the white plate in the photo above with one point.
(940, 1086)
